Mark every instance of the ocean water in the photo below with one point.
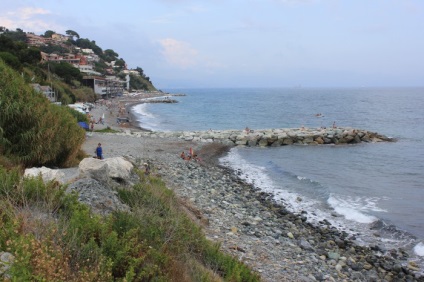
(364, 189)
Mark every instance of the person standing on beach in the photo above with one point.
(99, 151)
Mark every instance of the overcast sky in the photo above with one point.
(245, 43)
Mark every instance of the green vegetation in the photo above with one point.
(27, 60)
(17, 53)
(33, 131)
(53, 237)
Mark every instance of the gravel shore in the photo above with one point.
(276, 243)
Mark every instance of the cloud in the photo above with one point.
(29, 19)
(179, 53)
(28, 12)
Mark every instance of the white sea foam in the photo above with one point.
(355, 208)
(257, 176)
(141, 110)
(250, 173)
(145, 118)
(419, 249)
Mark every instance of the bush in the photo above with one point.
(55, 238)
(33, 131)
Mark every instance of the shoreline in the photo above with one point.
(249, 224)
(113, 108)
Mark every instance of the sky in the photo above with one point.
(245, 43)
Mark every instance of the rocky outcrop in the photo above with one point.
(94, 181)
(97, 181)
(98, 196)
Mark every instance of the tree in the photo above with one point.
(72, 33)
(11, 60)
(140, 83)
(20, 52)
(66, 71)
(85, 94)
(51, 48)
(85, 43)
(120, 64)
(18, 35)
(140, 71)
(49, 33)
(30, 55)
(110, 55)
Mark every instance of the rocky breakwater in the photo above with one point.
(278, 137)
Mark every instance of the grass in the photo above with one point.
(53, 237)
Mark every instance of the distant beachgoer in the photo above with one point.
(183, 155)
(247, 130)
(92, 125)
(99, 151)
(146, 169)
(196, 158)
(334, 125)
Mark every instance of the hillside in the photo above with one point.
(133, 229)
(67, 68)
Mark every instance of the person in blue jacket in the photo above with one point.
(99, 151)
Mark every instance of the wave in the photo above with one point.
(141, 110)
(355, 208)
(144, 118)
(419, 249)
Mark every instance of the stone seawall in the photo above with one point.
(276, 137)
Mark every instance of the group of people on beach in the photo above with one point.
(189, 156)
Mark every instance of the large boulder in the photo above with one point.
(47, 174)
(104, 170)
(94, 168)
(119, 168)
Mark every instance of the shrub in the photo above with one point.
(33, 131)
(56, 238)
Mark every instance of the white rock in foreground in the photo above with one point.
(103, 170)
(119, 168)
(47, 174)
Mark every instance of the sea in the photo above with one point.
(374, 191)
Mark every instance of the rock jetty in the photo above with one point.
(276, 137)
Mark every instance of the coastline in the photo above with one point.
(248, 224)
(111, 110)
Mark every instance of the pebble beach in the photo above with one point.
(248, 224)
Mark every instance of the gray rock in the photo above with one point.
(6, 261)
(100, 198)
(305, 245)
